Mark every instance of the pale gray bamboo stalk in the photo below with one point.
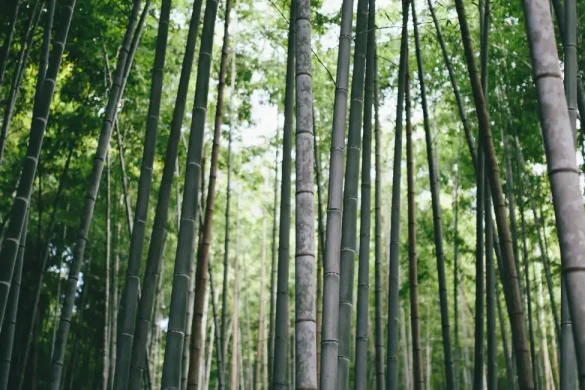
(331, 262)
(305, 317)
(107, 327)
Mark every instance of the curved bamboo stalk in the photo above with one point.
(281, 333)
(509, 273)
(25, 46)
(89, 202)
(437, 221)
(8, 251)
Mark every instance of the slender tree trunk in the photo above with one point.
(467, 364)
(107, 328)
(5, 50)
(185, 249)
(429, 346)
(527, 284)
(378, 243)
(130, 292)
(321, 246)
(457, 349)
(114, 310)
(9, 328)
(541, 246)
(234, 364)
(454, 85)
(260, 341)
(305, 316)
(392, 346)
(281, 333)
(154, 259)
(218, 346)
(90, 198)
(331, 262)
(543, 335)
(509, 274)
(361, 346)
(507, 356)
(350, 197)
(437, 222)
(43, 266)
(405, 350)
(274, 257)
(19, 71)
(418, 376)
(210, 350)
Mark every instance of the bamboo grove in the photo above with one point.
(292, 194)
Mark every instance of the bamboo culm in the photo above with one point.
(20, 203)
(331, 262)
(154, 258)
(305, 349)
(281, 332)
(130, 291)
(350, 198)
(437, 221)
(392, 343)
(9, 328)
(361, 339)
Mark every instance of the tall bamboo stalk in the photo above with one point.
(185, 246)
(107, 328)
(418, 376)
(527, 284)
(361, 338)
(281, 332)
(260, 340)
(392, 343)
(509, 274)
(378, 242)
(350, 198)
(437, 221)
(274, 264)
(10, 243)
(331, 262)
(305, 321)
(5, 50)
(91, 195)
(130, 291)
(19, 72)
(9, 328)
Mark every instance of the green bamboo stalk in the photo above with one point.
(281, 333)
(418, 376)
(392, 346)
(361, 336)
(350, 197)
(185, 246)
(8, 251)
(9, 328)
(4, 52)
(20, 67)
(274, 265)
(527, 283)
(379, 327)
(89, 202)
(129, 298)
(437, 222)
(509, 274)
